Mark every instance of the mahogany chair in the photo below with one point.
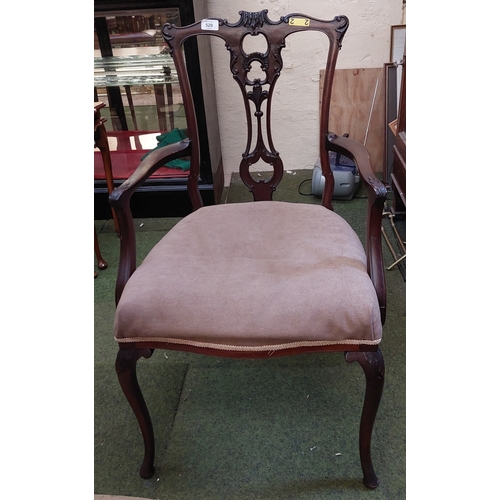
(284, 278)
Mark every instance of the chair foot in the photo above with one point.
(102, 264)
(372, 363)
(146, 471)
(126, 362)
(370, 480)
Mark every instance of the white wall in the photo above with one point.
(296, 100)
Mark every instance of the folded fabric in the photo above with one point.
(175, 135)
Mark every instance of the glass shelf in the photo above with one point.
(147, 69)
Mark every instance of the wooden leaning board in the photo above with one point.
(352, 99)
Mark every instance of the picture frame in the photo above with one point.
(398, 40)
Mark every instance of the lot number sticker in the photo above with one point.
(210, 24)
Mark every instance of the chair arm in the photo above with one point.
(377, 194)
(119, 199)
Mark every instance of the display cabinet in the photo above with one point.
(136, 79)
(140, 76)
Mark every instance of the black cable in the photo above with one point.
(300, 185)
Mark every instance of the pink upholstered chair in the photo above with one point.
(284, 278)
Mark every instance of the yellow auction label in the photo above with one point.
(299, 21)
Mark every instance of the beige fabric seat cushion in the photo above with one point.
(253, 276)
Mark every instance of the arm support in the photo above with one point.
(120, 201)
(377, 193)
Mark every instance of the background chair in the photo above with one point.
(257, 279)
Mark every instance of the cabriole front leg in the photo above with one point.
(126, 361)
(373, 366)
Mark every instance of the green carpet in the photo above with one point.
(279, 428)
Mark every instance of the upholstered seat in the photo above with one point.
(303, 267)
(257, 279)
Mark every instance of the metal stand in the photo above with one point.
(397, 259)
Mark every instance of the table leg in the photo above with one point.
(101, 142)
(101, 263)
(160, 107)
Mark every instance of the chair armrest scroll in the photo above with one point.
(358, 153)
(148, 166)
(377, 194)
(119, 199)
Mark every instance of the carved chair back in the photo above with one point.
(257, 92)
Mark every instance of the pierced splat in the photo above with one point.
(257, 92)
